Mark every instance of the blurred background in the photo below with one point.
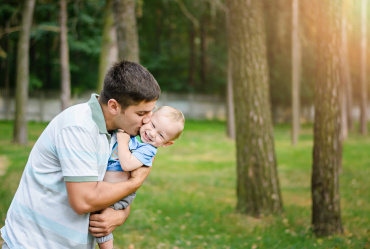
(54, 54)
(183, 43)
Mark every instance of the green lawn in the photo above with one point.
(189, 199)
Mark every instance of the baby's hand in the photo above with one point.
(122, 136)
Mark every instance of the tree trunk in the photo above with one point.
(203, 53)
(48, 56)
(345, 77)
(48, 66)
(363, 97)
(230, 102)
(127, 36)
(296, 72)
(229, 89)
(7, 48)
(64, 57)
(159, 29)
(327, 150)
(192, 46)
(20, 134)
(258, 189)
(109, 50)
(278, 16)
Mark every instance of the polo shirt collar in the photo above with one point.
(97, 113)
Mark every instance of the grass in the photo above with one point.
(189, 199)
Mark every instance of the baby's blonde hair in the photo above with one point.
(175, 115)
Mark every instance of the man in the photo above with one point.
(62, 181)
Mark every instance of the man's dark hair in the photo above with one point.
(129, 84)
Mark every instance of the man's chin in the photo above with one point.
(134, 133)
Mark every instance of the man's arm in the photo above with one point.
(88, 197)
(126, 159)
(104, 223)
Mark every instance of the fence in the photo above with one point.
(45, 105)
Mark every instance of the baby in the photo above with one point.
(165, 126)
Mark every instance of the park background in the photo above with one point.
(190, 199)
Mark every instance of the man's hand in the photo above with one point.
(104, 223)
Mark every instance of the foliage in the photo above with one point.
(189, 199)
(164, 39)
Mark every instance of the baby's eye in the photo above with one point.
(153, 125)
(160, 135)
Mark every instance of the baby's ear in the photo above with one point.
(168, 143)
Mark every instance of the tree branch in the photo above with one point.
(188, 14)
(41, 27)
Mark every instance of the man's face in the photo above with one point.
(131, 119)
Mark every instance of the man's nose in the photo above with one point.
(147, 117)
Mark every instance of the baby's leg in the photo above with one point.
(120, 176)
(106, 242)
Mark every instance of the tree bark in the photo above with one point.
(127, 36)
(109, 50)
(278, 16)
(258, 189)
(203, 52)
(20, 133)
(192, 33)
(327, 150)
(7, 48)
(296, 72)
(48, 55)
(230, 102)
(64, 57)
(363, 96)
(229, 89)
(345, 88)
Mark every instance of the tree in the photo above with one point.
(278, 16)
(193, 31)
(109, 51)
(6, 66)
(127, 36)
(229, 89)
(363, 96)
(20, 134)
(296, 72)
(230, 101)
(64, 57)
(327, 150)
(258, 189)
(346, 88)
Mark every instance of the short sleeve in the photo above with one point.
(145, 154)
(76, 150)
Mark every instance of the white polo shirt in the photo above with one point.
(75, 146)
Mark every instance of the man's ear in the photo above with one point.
(113, 107)
(168, 143)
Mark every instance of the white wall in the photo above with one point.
(44, 106)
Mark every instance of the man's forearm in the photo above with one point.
(87, 197)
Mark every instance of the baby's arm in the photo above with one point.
(126, 159)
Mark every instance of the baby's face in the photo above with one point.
(159, 130)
